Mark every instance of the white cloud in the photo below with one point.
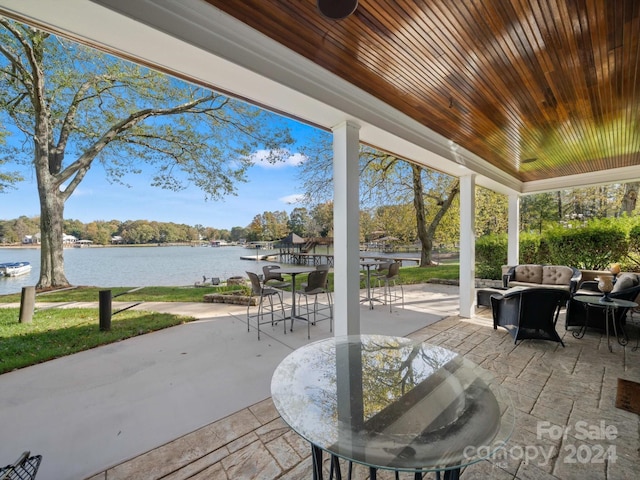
(293, 198)
(260, 159)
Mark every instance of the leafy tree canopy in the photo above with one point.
(72, 108)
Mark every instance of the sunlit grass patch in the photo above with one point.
(144, 294)
(58, 332)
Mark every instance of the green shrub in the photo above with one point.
(592, 247)
(634, 239)
(529, 246)
(491, 254)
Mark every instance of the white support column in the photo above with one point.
(513, 251)
(467, 245)
(346, 228)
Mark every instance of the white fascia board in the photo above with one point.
(602, 177)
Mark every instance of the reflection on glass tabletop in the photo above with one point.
(392, 402)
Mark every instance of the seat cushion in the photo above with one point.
(528, 274)
(556, 275)
(513, 285)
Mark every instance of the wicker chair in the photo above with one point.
(578, 313)
(529, 313)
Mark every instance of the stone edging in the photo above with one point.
(232, 298)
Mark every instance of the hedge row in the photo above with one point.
(592, 247)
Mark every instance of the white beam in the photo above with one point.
(346, 228)
(467, 244)
(513, 249)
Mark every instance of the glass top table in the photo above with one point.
(609, 305)
(392, 403)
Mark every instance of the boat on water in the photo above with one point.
(13, 269)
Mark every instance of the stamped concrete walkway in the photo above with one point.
(567, 426)
(193, 401)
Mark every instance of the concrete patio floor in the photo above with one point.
(193, 401)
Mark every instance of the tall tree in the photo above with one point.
(492, 212)
(386, 180)
(536, 210)
(76, 107)
(238, 233)
(322, 215)
(299, 219)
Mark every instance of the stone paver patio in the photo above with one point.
(566, 426)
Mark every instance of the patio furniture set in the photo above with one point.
(382, 285)
(270, 293)
(386, 276)
(532, 296)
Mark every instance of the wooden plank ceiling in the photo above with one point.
(538, 88)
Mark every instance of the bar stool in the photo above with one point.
(259, 290)
(390, 283)
(317, 285)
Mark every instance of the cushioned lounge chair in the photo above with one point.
(627, 287)
(530, 313)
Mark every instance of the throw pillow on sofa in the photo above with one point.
(624, 281)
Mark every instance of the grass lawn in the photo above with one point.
(58, 332)
(145, 294)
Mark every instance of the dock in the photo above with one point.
(327, 259)
(267, 257)
(400, 260)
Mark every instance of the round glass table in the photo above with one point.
(392, 403)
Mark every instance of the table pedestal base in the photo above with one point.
(335, 470)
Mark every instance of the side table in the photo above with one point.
(609, 306)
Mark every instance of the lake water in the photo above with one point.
(136, 266)
(141, 266)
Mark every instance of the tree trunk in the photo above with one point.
(630, 197)
(421, 222)
(426, 233)
(51, 232)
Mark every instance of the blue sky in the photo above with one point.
(269, 188)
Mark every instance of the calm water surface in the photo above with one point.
(136, 266)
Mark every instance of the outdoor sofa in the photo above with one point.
(519, 277)
(542, 276)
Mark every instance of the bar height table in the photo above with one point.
(294, 271)
(368, 263)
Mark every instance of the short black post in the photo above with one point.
(27, 304)
(105, 310)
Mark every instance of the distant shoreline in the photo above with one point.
(37, 247)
